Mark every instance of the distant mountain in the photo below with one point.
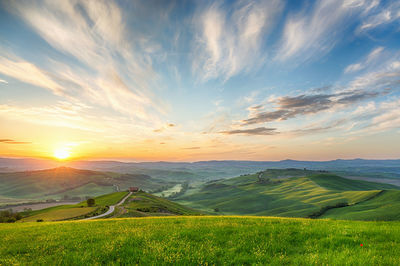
(60, 182)
(211, 170)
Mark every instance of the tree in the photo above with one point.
(90, 202)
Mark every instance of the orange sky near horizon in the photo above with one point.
(200, 80)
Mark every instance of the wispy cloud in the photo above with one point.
(11, 141)
(3, 81)
(290, 107)
(164, 127)
(252, 131)
(110, 72)
(29, 73)
(381, 16)
(309, 34)
(230, 41)
(192, 148)
(371, 57)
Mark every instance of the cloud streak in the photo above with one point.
(110, 71)
(229, 41)
(259, 131)
(28, 73)
(290, 107)
(11, 141)
(308, 34)
(371, 57)
(381, 16)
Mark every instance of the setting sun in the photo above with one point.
(61, 153)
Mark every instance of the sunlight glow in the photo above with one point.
(61, 153)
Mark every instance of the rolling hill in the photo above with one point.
(139, 204)
(75, 211)
(60, 182)
(142, 204)
(289, 193)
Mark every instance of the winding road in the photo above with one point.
(111, 209)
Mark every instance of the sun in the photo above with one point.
(61, 153)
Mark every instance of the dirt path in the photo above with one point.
(110, 210)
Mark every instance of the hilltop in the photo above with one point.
(294, 193)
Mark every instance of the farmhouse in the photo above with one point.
(133, 189)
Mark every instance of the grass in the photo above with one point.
(334, 182)
(201, 240)
(60, 214)
(110, 199)
(383, 207)
(278, 194)
(142, 204)
(64, 212)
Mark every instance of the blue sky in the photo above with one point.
(194, 80)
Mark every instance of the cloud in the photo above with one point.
(106, 69)
(28, 73)
(191, 148)
(252, 131)
(386, 75)
(380, 17)
(62, 114)
(229, 41)
(164, 127)
(3, 81)
(290, 107)
(309, 34)
(10, 141)
(313, 129)
(371, 57)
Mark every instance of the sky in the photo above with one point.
(200, 80)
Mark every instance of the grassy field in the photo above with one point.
(143, 204)
(110, 199)
(276, 193)
(64, 212)
(384, 207)
(60, 214)
(201, 240)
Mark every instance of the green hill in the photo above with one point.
(139, 204)
(201, 241)
(76, 211)
(143, 204)
(60, 182)
(384, 207)
(334, 182)
(279, 194)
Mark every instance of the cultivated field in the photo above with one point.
(201, 240)
(64, 212)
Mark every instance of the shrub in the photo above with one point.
(9, 216)
(90, 202)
